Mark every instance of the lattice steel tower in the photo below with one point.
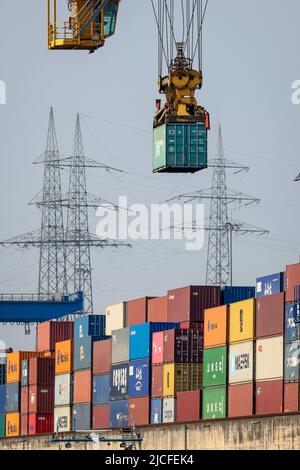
(79, 270)
(218, 252)
(52, 253)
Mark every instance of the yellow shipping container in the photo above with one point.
(64, 357)
(14, 364)
(169, 380)
(241, 321)
(12, 425)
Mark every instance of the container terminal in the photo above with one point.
(210, 365)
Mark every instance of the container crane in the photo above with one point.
(180, 125)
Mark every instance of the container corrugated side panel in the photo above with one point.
(81, 417)
(214, 403)
(156, 411)
(2, 425)
(2, 399)
(41, 371)
(62, 419)
(119, 414)
(13, 397)
(101, 384)
(270, 285)
(229, 295)
(292, 362)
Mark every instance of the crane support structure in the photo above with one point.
(35, 308)
(89, 24)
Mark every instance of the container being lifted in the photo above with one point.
(89, 24)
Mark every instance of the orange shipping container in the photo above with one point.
(12, 424)
(64, 357)
(14, 364)
(215, 326)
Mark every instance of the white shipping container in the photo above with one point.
(62, 390)
(169, 410)
(241, 362)
(120, 346)
(62, 419)
(269, 358)
(115, 317)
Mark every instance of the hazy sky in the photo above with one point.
(251, 58)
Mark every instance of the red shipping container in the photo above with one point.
(51, 332)
(291, 397)
(270, 315)
(101, 417)
(138, 411)
(157, 381)
(187, 304)
(24, 400)
(83, 386)
(269, 397)
(188, 406)
(40, 424)
(158, 348)
(240, 400)
(196, 346)
(41, 371)
(292, 280)
(158, 309)
(102, 357)
(24, 425)
(136, 311)
(41, 399)
(177, 346)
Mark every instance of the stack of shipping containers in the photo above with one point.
(269, 378)
(24, 397)
(241, 354)
(140, 354)
(215, 363)
(119, 378)
(13, 390)
(292, 339)
(2, 395)
(64, 354)
(41, 395)
(87, 330)
(101, 383)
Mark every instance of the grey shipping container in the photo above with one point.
(120, 346)
(13, 397)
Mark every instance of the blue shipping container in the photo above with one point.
(81, 417)
(139, 378)
(2, 374)
(156, 411)
(118, 414)
(83, 352)
(292, 319)
(25, 373)
(140, 338)
(270, 285)
(89, 325)
(13, 397)
(119, 381)
(101, 389)
(2, 399)
(229, 295)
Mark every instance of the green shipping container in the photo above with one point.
(215, 366)
(214, 403)
(180, 147)
(2, 425)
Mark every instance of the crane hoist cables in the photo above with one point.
(185, 26)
